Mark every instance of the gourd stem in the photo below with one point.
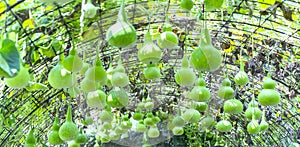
(122, 14)
(226, 66)
(69, 114)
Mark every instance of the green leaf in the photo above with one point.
(9, 59)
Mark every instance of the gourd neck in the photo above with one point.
(205, 36)
(147, 38)
(185, 62)
(122, 14)
(69, 114)
(242, 66)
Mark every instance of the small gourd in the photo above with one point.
(141, 127)
(81, 138)
(191, 116)
(263, 124)
(90, 10)
(200, 93)
(114, 136)
(96, 73)
(186, 4)
(107, 125)
(211, 5)
(96, 99)
(21, 80)
(177, 131)
(117, 97)
(72, 62)
(178, 121)
(88, 120)
(152, 72)
(85, 67)
(207, 122)
(253, 103)
(53, 136)
(185, 75)
(59, 77)
(121, 34)
(106, 115)
(253, 127)
(127, 124)
(241, 78)
(224, 126)
(199, 106)
(233, 106)
(149, 53)
(68, 130)
(137, 116)
(87, 85)
(167, 39)
(30, 140)
(253, 111)
(269, 96)
(119, 77)
(149, 121)
(226, 92)
(206, 57)
(153, 132)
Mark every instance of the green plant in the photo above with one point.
(269, 96)
(200, 93)
(21, 80)
(96, 99)
(186, 4)
(224, 126)
(117, 97)
(226, 92)
(68, 130)
(185, 76)
(59, 77)
(53, 136)
(149, 53)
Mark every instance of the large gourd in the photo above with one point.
(185, 75)
(119, 77)
(226, 92)
(21, 80)
(191, 116)
(200, 93)
(72, 62)
(167, 39)
(117, 97)
(149, 53)
(53, 136)
(206, 57)
(121, 34)
(269, 96)
(59, 77)
(68, 131)
(96, 73)
(241, 78)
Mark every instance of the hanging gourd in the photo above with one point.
(59, 77)
(141, 127)
(241, 78)
(263, 124)
(121, 34)
(87, 85)
(96, 73)
(253, 127)
(226, 92)
(224, 126)
(85, 67)
(30, 140)
(68, 130)
(177, 131)
(211, 5)
(206, 57)
(199, 106)
(200, 93)
(117, 97)
(119, 77)
(253, 111)
(81, 138)
(53, 136)
(96, 99)
(191, 116)
(21, 80)
(167, 39)
(72, 62)
(138, 115)
(186, 4)
(207, 122)
(185, 75)
(106, 115)
(149, 53)
(269, 96)
(149, 121)
(90, 10)
(152, 72)
(233, 106)
(153, 132)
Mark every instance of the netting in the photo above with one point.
(46, 31)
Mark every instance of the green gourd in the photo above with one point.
(85, 67)
(153, 132)
(177, 131)
(233, 106)
(253, 111)
(119, 130)
(253, 103)
(269, 96)
(211, 5)
(96, 73)
(186, 4)
(59, 77)
(53, 136)
(30, 139)
(107, 125)
(81, 138)
(263, 124)
(199, 106)
(96, 99)
(224, 126)
(88, 120)
(241, 78)
(185, 76)
(87, 85)
(21, 80)
(73, 143)
(206, 57)
(106, 116)
(178, 121)
(90, 10)
(167, 39)
(141, 127)
(105, 139)
(68, 130)
(226, 92)
(126, 124)
(200, 93)
(117, 97)
(114, 136)
(152, 72)
(253, 127)
(137, 116)
(149, 53)
(191, 116)
(119, 77)
(149, 121)
(121, 34)
(207, 122)
(72, 62)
